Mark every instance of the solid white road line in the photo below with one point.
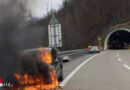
(62, 84)
(117, 54)
(126, 66)
(119, 59)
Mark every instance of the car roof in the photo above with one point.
(35, 50)
(94, 46)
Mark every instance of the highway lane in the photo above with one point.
(68, 67)
(109, 70)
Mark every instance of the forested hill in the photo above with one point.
(84, 20)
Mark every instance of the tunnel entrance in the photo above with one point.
(119, 40)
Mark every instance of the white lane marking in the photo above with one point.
(126, 66)
(119, 59)
(117, 54)
(62, 84)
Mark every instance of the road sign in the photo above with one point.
(55, 37)
(54, 31)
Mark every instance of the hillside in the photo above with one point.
(84, 20)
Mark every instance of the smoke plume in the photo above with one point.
(14, 37)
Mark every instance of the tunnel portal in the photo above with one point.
(119, 40)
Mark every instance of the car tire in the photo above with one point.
(61, 76)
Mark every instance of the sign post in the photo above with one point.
(99, 42)
(54, 31)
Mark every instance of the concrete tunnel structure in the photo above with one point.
(117, 39)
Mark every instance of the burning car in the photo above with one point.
(41, 69)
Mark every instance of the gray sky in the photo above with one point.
(39, 8)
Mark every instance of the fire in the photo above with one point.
(37, 83)
(29, 82)
(46, 56)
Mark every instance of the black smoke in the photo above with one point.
(15, 36)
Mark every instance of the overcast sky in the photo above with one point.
(39, 8)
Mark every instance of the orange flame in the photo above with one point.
(40, 84)
(46, 56)
(39, 80)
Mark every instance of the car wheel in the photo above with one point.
(61, 76)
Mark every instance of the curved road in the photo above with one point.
(109, 70)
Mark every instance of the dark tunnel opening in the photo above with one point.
(119, 40)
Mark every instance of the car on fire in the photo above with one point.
(57, 60)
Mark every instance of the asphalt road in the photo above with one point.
(68, 67)
(109, 70)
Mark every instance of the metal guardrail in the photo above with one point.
(73, 52)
